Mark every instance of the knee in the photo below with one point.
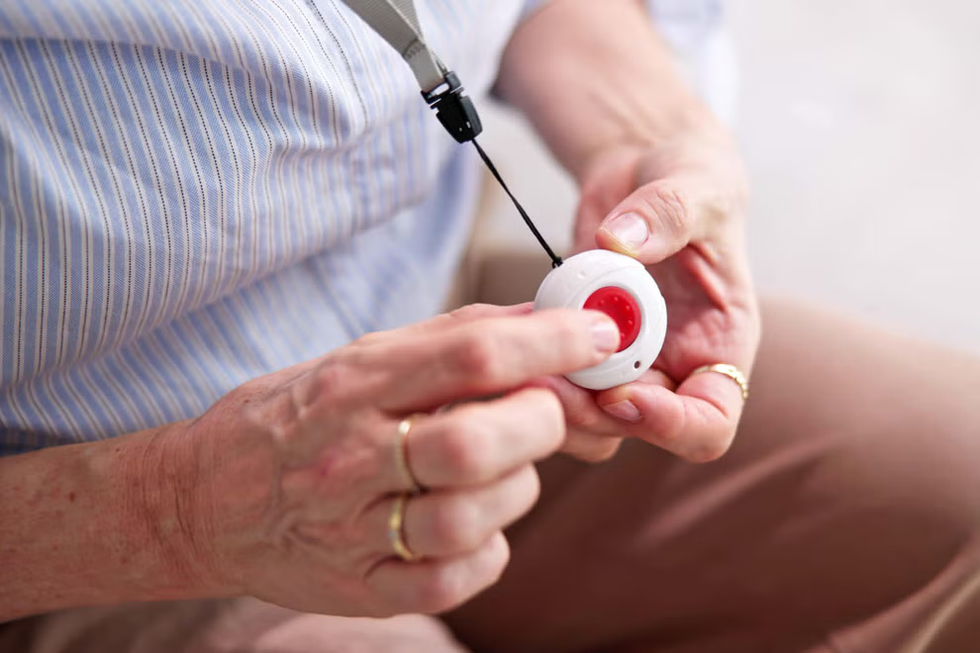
(894, 422)
(899, 508)
(878, 441)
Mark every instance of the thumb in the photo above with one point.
(651, 224)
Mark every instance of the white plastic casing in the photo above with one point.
(573, 282)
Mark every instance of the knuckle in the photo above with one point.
(670, 435)
(543, 417)
(469, 311)
(710, 449)
(328, 377)
(592, 190)
(246, 398)
(368, 340)
(497, 559)
(580, 414)
(465, 449)
(600, 451)
(441, 590)
(547, 406)
(456, 525)
(553, 418)
(329, 384)
(477, 356)
(672, 210)
(531, 486)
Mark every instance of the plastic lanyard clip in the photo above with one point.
(454, 109)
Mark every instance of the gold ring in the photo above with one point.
(401, 455)
(732, 372)
(396, 525)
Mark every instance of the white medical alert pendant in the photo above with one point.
(620, 287)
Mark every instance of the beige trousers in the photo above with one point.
(845, 518)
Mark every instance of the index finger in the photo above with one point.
(453, 318)
(488, 356)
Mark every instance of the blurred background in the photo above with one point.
(860, 125)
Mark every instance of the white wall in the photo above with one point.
(860, 123)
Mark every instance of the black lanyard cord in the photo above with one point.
(555, 259)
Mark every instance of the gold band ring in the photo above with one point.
(732, 372)
(396, 526)
(401, 455)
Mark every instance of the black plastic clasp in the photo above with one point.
(454, 110)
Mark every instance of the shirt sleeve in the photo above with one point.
(531, 6)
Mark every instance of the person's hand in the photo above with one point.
(678, 207)
(294, 476)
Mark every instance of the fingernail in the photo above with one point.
(629, 229)
(625, 410)
(605, 335)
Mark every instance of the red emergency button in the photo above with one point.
(621, 306)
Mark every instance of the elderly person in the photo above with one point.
(216, 221)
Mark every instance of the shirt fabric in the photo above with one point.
(194, 193)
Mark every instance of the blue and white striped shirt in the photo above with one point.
(194, 193)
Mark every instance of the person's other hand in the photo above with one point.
(294, 475)
(678, 207)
